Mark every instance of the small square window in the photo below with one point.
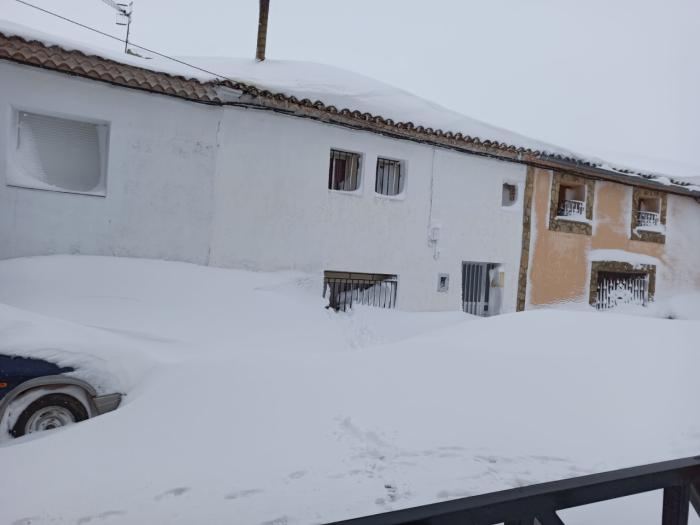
(390, 177)
(344, 171)
(509, 195)
(58, 154)
(443, 282)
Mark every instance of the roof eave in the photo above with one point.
(54, 58)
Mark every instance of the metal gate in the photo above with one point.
(621, 288)
(475, 287)
(344, 289)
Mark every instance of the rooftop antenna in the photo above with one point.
(262, 30)
(124, 12)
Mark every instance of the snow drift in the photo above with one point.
(248, 402)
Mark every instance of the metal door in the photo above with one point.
(476, 286)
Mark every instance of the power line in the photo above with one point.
(113, 37)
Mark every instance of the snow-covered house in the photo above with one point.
(292, 166)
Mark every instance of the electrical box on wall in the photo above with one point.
(443, 282)
(434, 233)
(498, 280)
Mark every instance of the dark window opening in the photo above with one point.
(343, 289)
(344, 171)
(509, 195)
(389, 177)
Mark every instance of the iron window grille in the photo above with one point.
(616, 288)
(647, 218)
(572, 208)
(344, 171)
(343, 289)
(389, 177)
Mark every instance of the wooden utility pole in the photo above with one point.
(262, 30)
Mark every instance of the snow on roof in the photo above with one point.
(345, 89)
(340, 88)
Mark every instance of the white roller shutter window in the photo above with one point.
(60, 152)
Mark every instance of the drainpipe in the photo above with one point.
(262, 30)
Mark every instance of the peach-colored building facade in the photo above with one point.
(602, 242)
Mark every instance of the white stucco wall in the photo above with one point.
(680, 271)
(161, 157)
(248, 188)
(274, 209)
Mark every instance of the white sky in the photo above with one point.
(619, 79)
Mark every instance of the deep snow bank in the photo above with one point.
(248, 402)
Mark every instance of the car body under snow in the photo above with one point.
(37, 395)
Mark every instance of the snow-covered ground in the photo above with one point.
(247, 402)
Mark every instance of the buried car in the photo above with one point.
(37, 395)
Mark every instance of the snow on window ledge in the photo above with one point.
(17, 179)
(58, 154)
(573, 218)
(357, 193)
(656, 228)
(398, 197)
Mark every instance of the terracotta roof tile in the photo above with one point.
(77, 63)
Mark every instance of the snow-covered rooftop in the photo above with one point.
(339, 88)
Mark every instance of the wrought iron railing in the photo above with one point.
(647, 218)
(343, 289)
(572, 208)
(538, 504)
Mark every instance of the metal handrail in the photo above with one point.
(647, 218)
(571, 208)
(679, 479)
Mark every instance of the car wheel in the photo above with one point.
(49, 411)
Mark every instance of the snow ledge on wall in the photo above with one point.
(635, 259)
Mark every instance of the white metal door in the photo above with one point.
(476, 287)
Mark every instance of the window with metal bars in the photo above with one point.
(616, 288)
(344, 171)
(343, 289)
(390, 177)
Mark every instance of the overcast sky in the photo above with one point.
(615, 78)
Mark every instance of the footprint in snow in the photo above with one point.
(100, 516)
(298, 474)
(392, 495)
(177, 491)
(282, 520)
(453, 494)
(27, 521)
(242, 493)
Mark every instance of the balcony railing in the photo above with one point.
(572, 208)
(647, 218)
(539, 504)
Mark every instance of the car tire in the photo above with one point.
(47, 412)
